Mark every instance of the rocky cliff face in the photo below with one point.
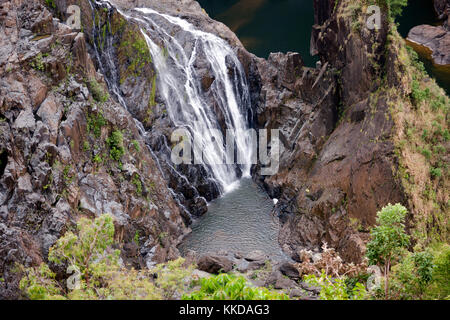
(340, 163)
(69, 150)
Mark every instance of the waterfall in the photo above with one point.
(182, 55)
(180, 85)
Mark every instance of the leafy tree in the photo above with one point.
(231, 287)
(40, 284)
(388, 239)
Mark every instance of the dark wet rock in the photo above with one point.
(214, 264)
(289, 270)
(436, 39)
(278, 281)
(308, 287)
(242, 266)
(442, 8)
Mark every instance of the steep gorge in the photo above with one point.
(342, 128)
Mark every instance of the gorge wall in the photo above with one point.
(347, 153)
(70, 148)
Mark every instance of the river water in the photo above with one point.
(265, 26)
(422, 12)
(239, 221)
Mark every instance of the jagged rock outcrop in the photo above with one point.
(69, 150)
(337, 168)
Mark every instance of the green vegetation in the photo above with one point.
(152, 101)
(419, 95)
(388, 239)
(115, 143)
(90, 253)
(133, 50)
(395, 7)
(422, 275)
(50, 3)
(37, 62)
(97, 91)
(231, 287)
(136, 180)
(95, 122)
(336, 289)
(98, 274)
(66, 175)
(136, 145)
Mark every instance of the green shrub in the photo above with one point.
(231, 287)
(336, 289)
(411, 277)
(426, 153)
(136, 180)
(436, 172)
(439, 287)
(423, 275)
(419, 95)
(37, 63)
(396, 7)
(95, 123)
(115, 142)
(40, 284)
(97, 91)
(415, 61)
(136, 145)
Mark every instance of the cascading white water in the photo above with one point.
(180, 85)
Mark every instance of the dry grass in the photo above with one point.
(419, 153)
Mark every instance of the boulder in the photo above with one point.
(278, 281)
(256, 255)
(436, 39)
(288, 269)
(214, 264)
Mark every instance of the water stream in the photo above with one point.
(241, 218)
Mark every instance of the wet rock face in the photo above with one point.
(436, 39)
(322, 10)
(128, 66)
(56, 164)
(442, 8)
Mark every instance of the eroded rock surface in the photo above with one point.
(56, 162)
(336, 168)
